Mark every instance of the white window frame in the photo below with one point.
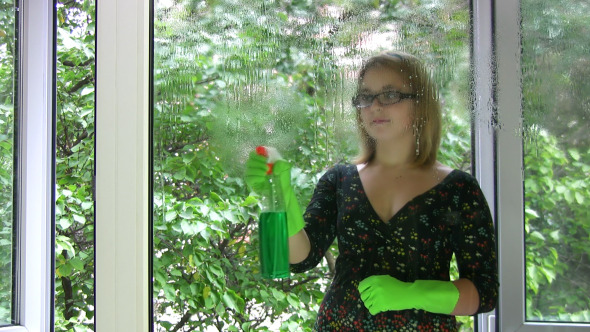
(122, 166)
(34, 169)
(509, 174)
(482, 126)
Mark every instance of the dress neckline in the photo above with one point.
(405, 206)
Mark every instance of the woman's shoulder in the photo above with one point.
(460, 179)
(338, 171)
(342, 168)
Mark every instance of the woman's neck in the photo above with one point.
(394, 154)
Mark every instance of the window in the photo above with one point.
(556, 117)
(33, 185)
(230, 76)
(122, 244)
(537, 43)
(8, 95)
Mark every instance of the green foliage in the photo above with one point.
(555, 66)
(555, 109)
(74, 206)
(556, 223)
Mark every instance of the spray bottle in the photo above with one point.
(272, 225)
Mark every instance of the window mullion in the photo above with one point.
(35, 167)
(122, 114)
(483, 119)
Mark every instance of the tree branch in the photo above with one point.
(185, 318)
(80, 84)
(69, 63)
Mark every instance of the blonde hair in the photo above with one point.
(427, 118)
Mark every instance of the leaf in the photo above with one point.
(568, 197)
(293, 301)
(79, 219)
(216, 269)
(579, 197)
(214, 216)
(63, 243)
(560, 189)
(215, 197)
(187, 214)
(86, 91)
(171, 215)
(187, 227)
(65, 270)
(64, 223)
(574, 154)
(279, 296)
(531, 213)
(250, 201)
(169, 291)
(233, 301)
(77, 264)
(87, 205)
(230, 216)
(549, 274)
(537, 235)
(209, 303)
(194, 289)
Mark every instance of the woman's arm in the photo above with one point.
(468, 302)
(299, 247)
(473, 240)
(308, 246)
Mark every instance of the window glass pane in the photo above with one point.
(74, 211)
(8, 55)
(231, 75)
(556, 105)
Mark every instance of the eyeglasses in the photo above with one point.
(363, 100)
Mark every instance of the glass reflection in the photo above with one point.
(556, 107)
(229, 76)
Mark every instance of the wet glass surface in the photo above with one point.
(229, 76)
(556, 108)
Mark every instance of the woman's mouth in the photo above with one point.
(380, 121)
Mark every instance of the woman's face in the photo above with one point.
(386, 122)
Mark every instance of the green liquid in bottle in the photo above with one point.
(274, 245)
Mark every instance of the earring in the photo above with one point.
(417, 132)
(417, 145)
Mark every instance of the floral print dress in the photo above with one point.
(416, 243)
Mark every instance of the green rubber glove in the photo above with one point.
(383, 293)
(257, 178)
(256, 174)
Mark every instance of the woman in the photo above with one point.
(399, 215)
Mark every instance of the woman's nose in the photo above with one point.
(375, 105)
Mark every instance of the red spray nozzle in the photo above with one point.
(271, 155)
(261, 151)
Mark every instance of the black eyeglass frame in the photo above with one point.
(400, 97)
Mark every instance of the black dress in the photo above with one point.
(416, 243)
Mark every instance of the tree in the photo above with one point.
(74, 206)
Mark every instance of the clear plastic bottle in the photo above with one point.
(272, 231)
